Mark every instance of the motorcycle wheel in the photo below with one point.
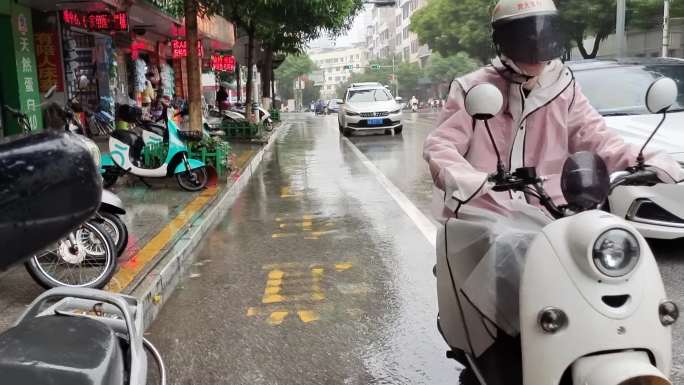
(91, 263)
(116, 229)
(193, 180)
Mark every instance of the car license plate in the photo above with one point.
(374, 122)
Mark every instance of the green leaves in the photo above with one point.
(293, 67)
(445, 69)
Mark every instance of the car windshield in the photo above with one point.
(600, 85)
(369, 95)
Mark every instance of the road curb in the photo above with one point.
(160, 283)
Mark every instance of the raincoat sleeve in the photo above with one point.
(444, 149)
(588, 131)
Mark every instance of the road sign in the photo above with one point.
(375, 66)
(348, 67)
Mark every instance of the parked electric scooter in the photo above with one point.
(592, 306)
(86, 257)
(653, 207)
(125, 156)
(66, 336)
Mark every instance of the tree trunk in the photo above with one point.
(238, 80)
(250, 72)
(193, 66)
(600, 36)
(266, 72)
(273, 93)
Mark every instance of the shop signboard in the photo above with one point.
(29, 93)
(223, 63)
(96, 21)
(48, 61)
(179, 48)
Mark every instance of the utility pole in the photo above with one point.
(666, 28)
(394, 77)
(193, 66)
(620, 27)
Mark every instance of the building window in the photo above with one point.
(330, 78)
(407, 55)
(357, 56)
(406, 33)
(337, 78)
(414, 46)
(405, 11)
(414, 5)
(398, 20)
(398, 39)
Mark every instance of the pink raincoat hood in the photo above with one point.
(541, 129)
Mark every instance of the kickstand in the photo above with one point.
(144, 181)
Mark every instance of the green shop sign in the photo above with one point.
(25, 58)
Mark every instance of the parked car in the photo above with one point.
(617, 89)
(369, 107)
(333, 106)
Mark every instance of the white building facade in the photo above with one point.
(388, 33)
(334, 64)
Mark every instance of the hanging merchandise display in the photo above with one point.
(80, 67)
(139, 76)
(168, 80)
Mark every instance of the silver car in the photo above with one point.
(369, 107)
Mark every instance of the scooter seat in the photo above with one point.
(61, 350)
(158, 129)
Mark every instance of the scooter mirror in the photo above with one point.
(585, 181)
(48, 186)
(50, 92)
(483, 101)
(661, 95)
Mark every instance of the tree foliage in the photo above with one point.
(449, 26)
(445, 69)
(293, 67)
(408, 76)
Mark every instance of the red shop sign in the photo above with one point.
(96, 21)
(47, 60)
(179, 48)
(223, 63)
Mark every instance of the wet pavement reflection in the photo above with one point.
(315, 276)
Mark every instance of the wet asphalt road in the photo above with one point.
(316, 276)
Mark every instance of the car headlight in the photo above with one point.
(351, 113)
(395, 111)
(616, 253)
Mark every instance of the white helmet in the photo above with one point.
(527, 31)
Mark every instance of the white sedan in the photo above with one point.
(617, 89)
(369, 107)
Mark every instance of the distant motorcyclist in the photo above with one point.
(414, 103)
(545, 118)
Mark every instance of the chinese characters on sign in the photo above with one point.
(27, 82)
(179, 48)
(223, 63)
(47, 57)
(529, 4)
(96, 21)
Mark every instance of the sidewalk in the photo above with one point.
(157, 218)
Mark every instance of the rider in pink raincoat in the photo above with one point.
(544, 119)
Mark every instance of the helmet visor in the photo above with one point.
(532, 39)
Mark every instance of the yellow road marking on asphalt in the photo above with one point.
(307, 316)
(129, 270)
(252, 311)
(277, 317)
(343, 266)
(272, 290)
(273, 298)
(317, 272)
(285, 192)
(276, 274)
(274, 282)
(283, 225)
(282, 235)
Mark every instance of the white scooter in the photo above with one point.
(653, 207)
(592, 306)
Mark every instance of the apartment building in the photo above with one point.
(334, 65)
(388, 33)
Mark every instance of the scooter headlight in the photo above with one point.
(616, 253)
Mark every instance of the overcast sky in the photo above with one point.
(356, 34)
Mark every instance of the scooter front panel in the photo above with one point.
(547, 282)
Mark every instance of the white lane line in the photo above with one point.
(426, 227)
